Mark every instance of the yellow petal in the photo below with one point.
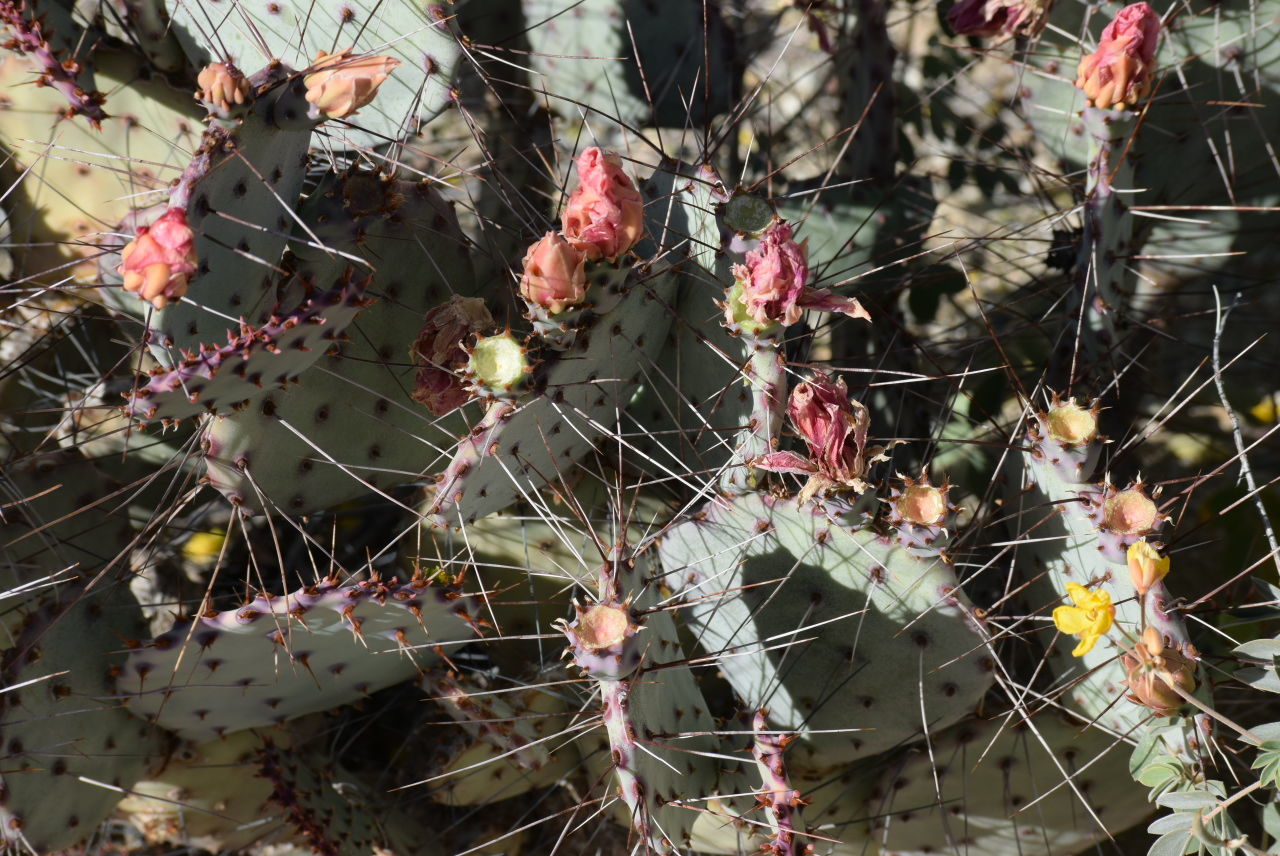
(1087, 642)
(1079, 594)
(1071, 620)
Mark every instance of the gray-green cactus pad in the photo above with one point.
(279, 657)
(69, 744)
(837, 632)
(578, 394)
(1045, 788)
(294, 31)
(295, 450)
(640, 63)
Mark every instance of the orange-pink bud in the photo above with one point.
(339, 85)
(604, 217)
(1152, 668)
(1118, 74)
(222, 86)
(440, 354)
(159, 261)
(555, 277)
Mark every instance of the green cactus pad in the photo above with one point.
(208, 795)
(331, 821)
(69, 745)
(58, 518)
(279, 657)
(1047, 787)
(577, 394)
(837, 632)
(229, 377)
(675, 75)
(240, 212)
(420, 35)
(294, 451)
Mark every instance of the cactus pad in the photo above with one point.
(279, 657)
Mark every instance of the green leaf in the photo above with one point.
(1268, 763)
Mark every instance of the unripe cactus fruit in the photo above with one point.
(605, 216)
(497, 365)
(158, 263)
(603, 640)
(339, 85)
(1129, 512)
(555, 277)
(1071, 424)
(922, 504)
(1119, 73)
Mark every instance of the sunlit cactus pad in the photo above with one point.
(837, 632)
(278, 657)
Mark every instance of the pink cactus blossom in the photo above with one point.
(441, 354)
(159, 261)
(834, 428)
(555, 277)
(222, 86)
(1002, 19)
(604, 217)
(339, 84)
(1119, 73)
(774, 283)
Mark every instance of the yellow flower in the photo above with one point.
(1089, 619)
(1146, 566)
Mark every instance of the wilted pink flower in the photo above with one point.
(440, 354)
(555, 276)
(834, 427)
(1002, 18)
(222, 86)
(1119, 72)
(158, 262)
(339, 85)
(774, 282)
(604, 217)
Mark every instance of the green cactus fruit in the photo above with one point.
(279, 657)
(822, 625)
(70, 746)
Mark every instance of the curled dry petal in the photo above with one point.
(555, 276)
(604, 217)
(1001, 19)
(440, 352)
(772, 285)
(222, 86)
(834, 428)
(340, 84)
(159, 261)
(1119, 73)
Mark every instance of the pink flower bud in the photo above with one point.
(605, 216)
(774, 281)
(1119, 72)
(440, 353)
(222, 86)
(555, 276)
(158, 262)
(998, 18)
(339, 85)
